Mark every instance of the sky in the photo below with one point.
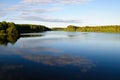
(61, 13)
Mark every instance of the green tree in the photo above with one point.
(4, 25)
(71, 28)
(12, 28)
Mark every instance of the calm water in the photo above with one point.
(60, 56)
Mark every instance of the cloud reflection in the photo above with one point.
(62, 60)
(48, 56)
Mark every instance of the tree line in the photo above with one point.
(12, 28)
(110, 28)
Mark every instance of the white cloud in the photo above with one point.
(56, 1)
(37, 1)
(31, 9)
(73, 1)
(22, 11)
(17, 7)
(44, 10)
(46, 19)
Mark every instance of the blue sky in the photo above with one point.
(60, 13)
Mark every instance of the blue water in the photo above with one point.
(58, 55)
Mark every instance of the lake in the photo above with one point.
(59, 55)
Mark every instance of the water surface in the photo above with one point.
(58, 55)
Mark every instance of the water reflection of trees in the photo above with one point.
(71, 36)
(27, 36)
(64, 60)
(5, 39)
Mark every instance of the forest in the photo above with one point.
(12, 28)
(108, 28)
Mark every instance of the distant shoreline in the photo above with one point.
(12, 28)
